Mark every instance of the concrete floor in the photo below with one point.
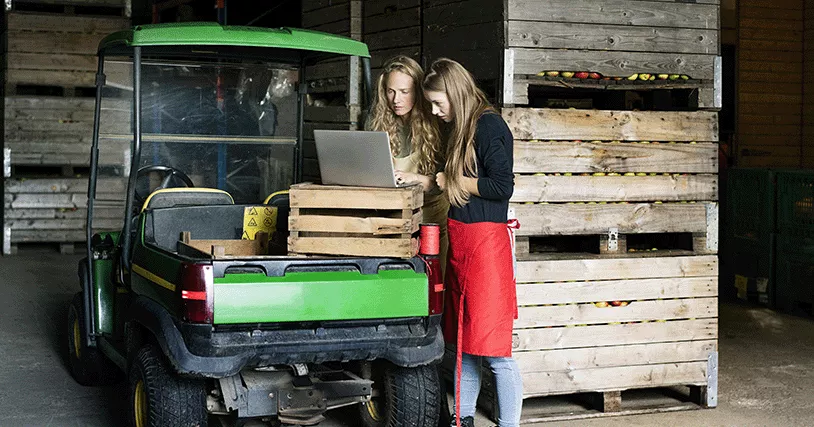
(766, 361)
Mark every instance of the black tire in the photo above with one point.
(159, 398)
(444, 414)
(408, 397)
(88, 365)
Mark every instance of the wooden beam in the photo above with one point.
(351, 246)
(543, 123)
(534, 269)
(604, 357)
(617, 12)
(336, 197)
(550, 188)
(537, 294)
(589, 157)
(63, 185)
(559, 35)
(609, 379)
(635, 311)
(28, 21)
(615, 335)
(618, 64)
(346, 224)
(581, 219)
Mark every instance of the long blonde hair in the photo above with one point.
(425, 139)
(467, 104)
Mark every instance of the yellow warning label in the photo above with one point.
(258, 219)
(741, 283)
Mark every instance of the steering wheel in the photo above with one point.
(168, 172)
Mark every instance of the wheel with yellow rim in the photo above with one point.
(87, 364)
(159, 397)
(402, 397)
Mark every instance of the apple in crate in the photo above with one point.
(601, 304)
(552, 73)
(567, 74)
(595, 76)
(581, 75)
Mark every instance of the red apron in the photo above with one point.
(481, 298)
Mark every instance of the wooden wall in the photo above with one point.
(770, 83)
(808, 86)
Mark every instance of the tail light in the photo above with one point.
(436, 284)
(197, 289)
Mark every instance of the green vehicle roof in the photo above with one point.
(213, 34)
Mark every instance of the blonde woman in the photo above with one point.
(401, 110)
(481, 295)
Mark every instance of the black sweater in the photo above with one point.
(494, 152)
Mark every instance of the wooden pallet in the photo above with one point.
(354, 221)
(54, 209)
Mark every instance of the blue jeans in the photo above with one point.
(509, 388)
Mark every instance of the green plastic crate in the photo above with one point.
(750, 203)
(795, 202)
(794, 274)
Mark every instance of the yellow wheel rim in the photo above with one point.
(373, 410)
(77, 338)
(140, 404)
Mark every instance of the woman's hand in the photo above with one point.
(441, 180)
(406, 177)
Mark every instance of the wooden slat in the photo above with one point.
(446, 14)
(62, 185)
(636, 311)
(605, 357)
(617, 12)
(309, 5)
(532, 61)
(52, 42)
(615, 335)
(394, 38)
(331, 114)
(27, 21)
(534, 269)
(532, 294)
(575, 219)
(61, 224)
(549, 188)
(325, 15)
(401, 18)
(102, 213)
(50, 61)
(22, 236)
(589, 157)
(63, 201)
(540, 123)
(558, 35)
(381, 7)
(351, 246)
(346, 224)
(335, 197)
(616, 378)
(51, 77)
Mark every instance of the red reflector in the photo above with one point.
(196, 295)
(439, 287)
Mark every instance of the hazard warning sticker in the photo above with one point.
(258, 218)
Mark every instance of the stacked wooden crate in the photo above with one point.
(616, 187)
(49, 66)
(334, 86)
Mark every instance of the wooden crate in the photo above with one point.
(355, 221)
(54, 210)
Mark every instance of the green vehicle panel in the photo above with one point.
(212, 34)
(296, 297)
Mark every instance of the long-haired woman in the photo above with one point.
(481, 302)
(401, 110)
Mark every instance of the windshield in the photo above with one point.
(230, 126)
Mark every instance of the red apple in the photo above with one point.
(581, 75)
(594, 76)
(616, 303)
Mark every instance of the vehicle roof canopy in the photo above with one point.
(174, 37)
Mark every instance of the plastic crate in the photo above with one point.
(795, 202)
(751, 262)
(794, 274)
(750, 203)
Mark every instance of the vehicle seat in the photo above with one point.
(177, 197)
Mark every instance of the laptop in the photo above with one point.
(355, 158)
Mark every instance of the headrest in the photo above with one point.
(173, 197)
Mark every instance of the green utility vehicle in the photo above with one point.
(211, 119)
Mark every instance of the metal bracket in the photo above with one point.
(712, 380)
(712, 227)
(300, 369)
(508, 76)
(613, 240)
(7, 162)
(6, 240)
(718, 84)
